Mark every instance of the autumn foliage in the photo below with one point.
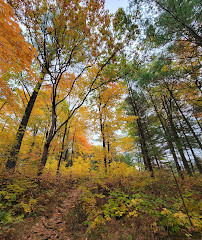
(97, 140)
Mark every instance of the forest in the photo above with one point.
(100, 120)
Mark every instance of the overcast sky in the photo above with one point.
(113, 5)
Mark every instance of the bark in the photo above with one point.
(44, 157)
(3, 105)
(12, 158)
(190, 161)
(168, 139)
(72, 155)
(185, 119)
(50, 135)
(108, 150)
(63, 144)
(146, 157)
(152, 146)
(197, 161)
(102, 130)
(66, 157)
(175, 135)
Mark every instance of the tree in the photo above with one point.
(66, 38)
(172, 20)
(16, 54)
(134, 102)
(109, 117)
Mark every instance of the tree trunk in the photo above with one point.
(44, 157)
(168, 139)
(152, 145)
(191, 164)
(197, 161)
(175, 135)
(63, 144)
(12, 158)
(72, 154)
(102, 130)
(185, 119)
(146, 157)
(49, 138)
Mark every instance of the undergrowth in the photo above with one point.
(121, 204)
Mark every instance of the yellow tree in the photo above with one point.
(111, 120)
(69, 36)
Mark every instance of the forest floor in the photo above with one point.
(49, 226)
(113, 209)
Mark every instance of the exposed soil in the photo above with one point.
(57, 223)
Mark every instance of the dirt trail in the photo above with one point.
(53, 226)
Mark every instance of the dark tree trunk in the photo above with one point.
(144, 146)
(66, 157)
(12, 158)
(168, 139)
(63, 144)
(72, 154)
(44, 157)
(197, 161)
(198, 122)
(152, 145)
(146, 157)
(190, 161)
(102, 130)
(50, 134)
(108, 150)
(167, 106)
(183, 116)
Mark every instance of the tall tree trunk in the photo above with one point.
(197, 161)
(12, 158)
(146, 157)
(175, 135)
(49, 138)
(61, 153)
(44, 157)
(168, 138)
(190, 161)
(102, 130)
(108, 153)
(144, 145)
(66, 157)
(185, 119)
(72, 154)
(152, 145)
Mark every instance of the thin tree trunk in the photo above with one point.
(145, 153)
(197, 161)
(63, 144)
(51, 133)
(12, 158)
(108, 150)
(152, 145)
(167, 135)
(44, 157)
(175, 136)
(191, 164)
(185, 119)
(3, 105)
(102, 130)
(72, 155)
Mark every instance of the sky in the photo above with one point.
(113, 5)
